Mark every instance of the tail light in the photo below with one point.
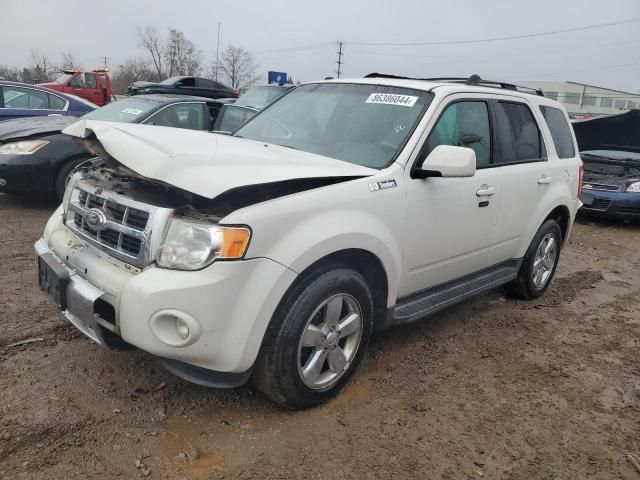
(580, 179)
(237, 93)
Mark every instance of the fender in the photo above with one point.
(300, 229)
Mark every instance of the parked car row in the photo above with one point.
(36, 157)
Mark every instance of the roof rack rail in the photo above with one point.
(472, 80)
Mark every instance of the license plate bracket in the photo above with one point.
(53, 279)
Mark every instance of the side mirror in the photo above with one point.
(448, 161)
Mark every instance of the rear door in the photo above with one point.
(451, 220)
(522, 158)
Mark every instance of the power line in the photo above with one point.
(496, 39)
(295, 49)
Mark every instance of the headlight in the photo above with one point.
(633, 187)
(192, 245)
(26, 147)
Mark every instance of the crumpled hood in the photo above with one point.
(208, 164)
(614, 132)
(30, 126)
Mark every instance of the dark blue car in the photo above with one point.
(610, 151)
(24, 100)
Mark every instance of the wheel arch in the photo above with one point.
(365, 262)
(562, 215)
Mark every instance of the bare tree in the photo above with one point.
(133, 69)
(41, 68)
(149, 39)
(181, 55)
(12, 74)
(68, 62)
(238, 68)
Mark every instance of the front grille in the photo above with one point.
(635, 210)
(601, 186)
(600, 204)
(127, 233)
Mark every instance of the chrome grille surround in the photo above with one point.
(600, 186)
(133, 230)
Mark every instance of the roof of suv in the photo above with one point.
(471, 84)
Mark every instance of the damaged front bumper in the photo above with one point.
(73, 295)
(227, 306)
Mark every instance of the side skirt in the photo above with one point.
(431, 300)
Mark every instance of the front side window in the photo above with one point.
(463, 124)
(18, 97)
(357, 123)
(560, 131)
(519, 138)
(179, 115)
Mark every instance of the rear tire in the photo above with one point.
(539, 263)
(61, 178)
(316, 339)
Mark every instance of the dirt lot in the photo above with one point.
(494, 388)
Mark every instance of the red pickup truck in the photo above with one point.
(94, 86)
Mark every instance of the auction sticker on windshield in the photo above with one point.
(392, 99)
(132, 111)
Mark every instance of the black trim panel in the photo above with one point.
(431, 300)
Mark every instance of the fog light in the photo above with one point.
(182, 328)
(175, 327)
(3, 182)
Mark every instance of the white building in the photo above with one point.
(580, 99)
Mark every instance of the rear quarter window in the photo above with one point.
(560, 131)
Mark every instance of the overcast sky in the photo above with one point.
(605, 56)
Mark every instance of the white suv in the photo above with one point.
(345, 207)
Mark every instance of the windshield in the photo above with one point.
(62, 79)
(128, 110)
(260, 97)
(362, 124)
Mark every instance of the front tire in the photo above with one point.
(316, 339)
(62, 176)
(539, 263)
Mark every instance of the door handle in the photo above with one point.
(544, 180)
(485, 190)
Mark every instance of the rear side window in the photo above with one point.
(56, 103)
(463, 124)
(560, 131)
(519, 138)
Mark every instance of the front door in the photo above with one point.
(451, 221)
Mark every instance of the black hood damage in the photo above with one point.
(21, 128)
(614, 132)
(108, 174)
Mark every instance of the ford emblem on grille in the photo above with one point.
(96, 219)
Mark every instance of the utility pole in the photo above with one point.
(339, 62)
(217, 51)
(105, 61)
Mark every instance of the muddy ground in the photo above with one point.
(494, 388)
